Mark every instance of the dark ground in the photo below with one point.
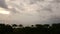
(33, 29)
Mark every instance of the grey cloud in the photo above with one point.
(3, 4)
(54, 19)
(33, 1)
(13, 11)
(51, 20)
(36, 15)
(57, 1)
(48, 8)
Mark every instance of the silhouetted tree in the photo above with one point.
(39, 29)
(55, 28)
(5, 29)
(14, 25)
(8, 29)
(39, 26)
(46, 25)
(2, 26)
(20, 25)
(32, 25)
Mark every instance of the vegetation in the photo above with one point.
(33, 29)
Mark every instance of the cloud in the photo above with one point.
(57, 1)
(54, 19)
(33, 1)
(3, 4)
(33, 11)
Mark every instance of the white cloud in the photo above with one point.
(3, 11)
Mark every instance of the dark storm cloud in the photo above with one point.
(3, 4)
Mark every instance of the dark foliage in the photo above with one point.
(37, 29)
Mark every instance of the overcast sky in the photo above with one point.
(30, 11)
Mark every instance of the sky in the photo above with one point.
(29, 12)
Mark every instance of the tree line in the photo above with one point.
(33, 29)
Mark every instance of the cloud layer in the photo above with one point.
(33, 11)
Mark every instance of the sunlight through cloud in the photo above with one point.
(3, 11)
